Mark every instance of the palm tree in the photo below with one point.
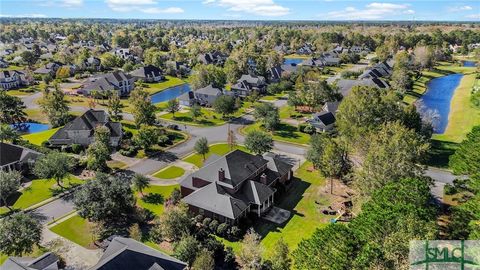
(140, 182)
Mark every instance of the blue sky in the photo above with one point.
(246, 9)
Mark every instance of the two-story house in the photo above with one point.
(10, 79)
(117, 81)
(232, 186)
(249, 83)
(82, 130)
(148, 74)
(213, 58)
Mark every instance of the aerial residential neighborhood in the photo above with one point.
(258, 135)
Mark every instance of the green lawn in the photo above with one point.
(76, 229)
(302, 201)
(218, 149)
(463, 115)
(154, 197)
(170, 172)
(288, 111)
(284, 133)
(208, 118)
(170, 81)
(40, 190)
(40, 137)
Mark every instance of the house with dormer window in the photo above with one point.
(230, 187)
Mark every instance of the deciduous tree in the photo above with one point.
(258, 142)
(201, 147)
(9, 184)
(19, 233)
(54, 165)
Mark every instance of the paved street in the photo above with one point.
(54, 210)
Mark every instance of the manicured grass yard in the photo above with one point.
(76, 229)
(463, 115)
(302, 201)
(40, 137)
(37, 192)
(290, 112)
(170, 172)
(209, 116)
(284, 133)
(218, 149)
(154, 197)
(170, 81)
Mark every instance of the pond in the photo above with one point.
(469, 63)
(30, 127)
(289, 61)
(435, 103)
(170, 93)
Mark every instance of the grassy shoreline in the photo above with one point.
(463, 115)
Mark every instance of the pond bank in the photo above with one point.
(463, 116)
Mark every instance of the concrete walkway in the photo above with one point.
(75, 256)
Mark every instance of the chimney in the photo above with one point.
(221, 175)
(263, 178)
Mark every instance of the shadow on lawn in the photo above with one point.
(286, 131)
(440, 152)
(153, 198)
(288, 201)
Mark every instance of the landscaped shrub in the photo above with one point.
(207, 221)
(309, 129)
(129, 151)
(449, 189)
(175, 196)
(199, 218)
(213, 226)
(301, 127)
(222, 229)
(76, 148)
(235, 231)
(163, 140)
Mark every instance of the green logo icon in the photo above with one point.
(429, 255)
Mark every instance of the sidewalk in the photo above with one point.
(75, 256)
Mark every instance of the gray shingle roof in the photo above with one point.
(209, 90)
(87, 122)
(148, 71)
(23, 263)
(241, 170)
(126, 253)
(10, 153)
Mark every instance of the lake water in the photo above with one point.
(436, 100)
(170, 93)
(288, 61)
(33, 128)
(469, 63)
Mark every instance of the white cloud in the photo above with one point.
(474, 16)
(257, 7)
(372, 11)
(145, 6)
(72, 3)
(155, 10)
(460, 8)
(30, 15)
